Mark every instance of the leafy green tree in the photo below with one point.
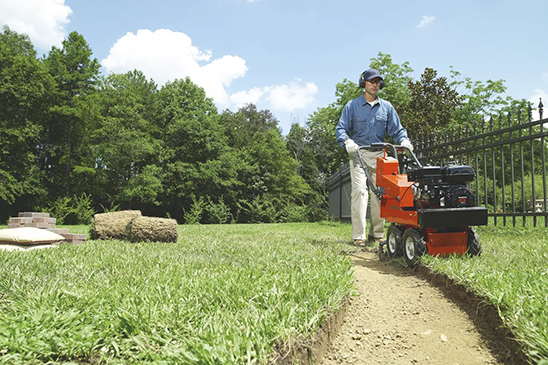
(267, 172)
(482, 108)
(396, 80)
(479, 99)
(76, 75)
(433, 102)
(321, 129)
(196, 159)
(297, 143)
(122, 165)
(24, 85)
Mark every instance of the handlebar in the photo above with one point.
(394, 148)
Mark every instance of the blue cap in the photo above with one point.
(371, 74)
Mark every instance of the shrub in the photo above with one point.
(194, 215)
(259, 210)
(293, 213)
(82, 209)
(60, 209)
(219, 212)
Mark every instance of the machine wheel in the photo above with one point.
(394, 243)
(413, 246)
(474, 244)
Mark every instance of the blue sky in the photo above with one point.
(288, 55)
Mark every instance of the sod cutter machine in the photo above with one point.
(430, 208)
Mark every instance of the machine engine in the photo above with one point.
(442, 187)
(431, 208)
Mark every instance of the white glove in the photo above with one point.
(407, 143)
(351, 146)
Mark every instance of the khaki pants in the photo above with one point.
(360, 196)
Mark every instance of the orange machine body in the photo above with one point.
(397, 206)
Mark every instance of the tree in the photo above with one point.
(24, 86)
(481, 108)
(122, 166)
(479, 99)
(396, 80)
(433, 102)
(271, 189)
(76, 75)
(196, 160)
(321, 131)
(297, 142)
(321, 128)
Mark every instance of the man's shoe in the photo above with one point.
(371, 239)
(359, 242)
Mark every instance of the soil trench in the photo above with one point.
(399, 317)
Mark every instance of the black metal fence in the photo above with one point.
(508, 154)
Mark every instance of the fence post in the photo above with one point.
(543, 149)
(512, 174)
(467, 136)
(477, 159)
(523, 207)
(503, 182)
(533, 194)
(493, 170)
(484, 153)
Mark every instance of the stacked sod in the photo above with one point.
(132, 226)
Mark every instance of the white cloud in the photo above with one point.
(42, 20)
(292, 96)
(165, 55)
(248, 96)
(286, 98)
(425, 21)
(535, 99)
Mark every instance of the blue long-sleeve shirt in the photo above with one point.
(367, 124)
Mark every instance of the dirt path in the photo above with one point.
(400, 318)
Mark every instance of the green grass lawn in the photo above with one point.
(512, 273)
(223, 294)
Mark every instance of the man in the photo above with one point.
(366, 120)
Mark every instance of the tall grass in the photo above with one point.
(223, 294)
(512, 273)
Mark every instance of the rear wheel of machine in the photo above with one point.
(413, 246)
(474, 244)
(394, 243)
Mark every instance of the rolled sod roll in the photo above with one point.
(152, 229)
(113, 225)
